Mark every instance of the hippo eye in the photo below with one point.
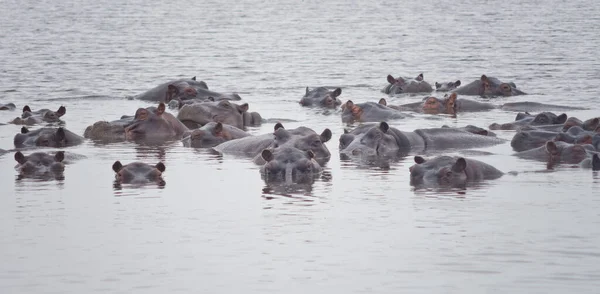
(316, 143)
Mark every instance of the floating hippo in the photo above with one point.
(525, 140)
(445, 87)
(451, 105)
(138, 173)
(212, 134)
(226, 112)
(289, 165)
(29, 117)
(407, 85)
(576, 135)
(48, 137)
(183, 89)
(113, 131)
(369, 112)
(155, 125)
(39, 164)
(523, 120)
(592, 124)
(383, 140)
(450, 171)
(474, 130)
(591, 162)
(321, 96)
(558, 152)
(489, 86)
(8, 106)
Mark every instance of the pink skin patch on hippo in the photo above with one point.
(431, 104)
(190, 91)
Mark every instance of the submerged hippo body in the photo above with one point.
(212, 134)
(447, 86)
(407, 85)
(369, 112)
(558, 152)
(183, 89)
(138, 173)
(289, 165)
(530, 139)
(226, 112)
(8, 106)
(489, 86)
(524, 120)
(29, 117)
(322, 97)
(155, 126)
(48, 137)
(450, 171)
(39, 164)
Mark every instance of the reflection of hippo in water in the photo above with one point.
(184, 89)
(138, 173)
(226, 112)
(369, 112)
(212, 134)
(450, 171)
(289, 165)
(407, 85)
(29, 117)
(489, 86)
(8, 106)
(155, 125)
(39, 163)
(526, 119)
(558, 152)
(321, 96)
(48, 137)
(448, 86)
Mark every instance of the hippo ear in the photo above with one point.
(437, 85)
(457, 83)
(117, 166)
(24, 130)
(211, 98)
(60, 134)
(306, 91)
(160, 109)
(193, 78)
(218, 128)
(552, 148)
(20, 158)
(384, 127)
(383, 102)
(160, 166)
(346, 131)
(26, 108)
(310, 154)
(391, 79)
(172, 89)
(61, 111)
(561, 119)
(267, 155)
(59, 156)
(419, 77)
(326, 135)
(484, 78)
(243, 108)
(336, 92)
(595, 162)
(278, 126)
(459, 165)
(419, 159)
(349, 104)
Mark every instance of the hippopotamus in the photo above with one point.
(450, 171)
(114, 131)
(474, 130)
(522, 120)
(321, 96)
(39, 163)
(48, 137)
(529, 139)
(592, 124)
(138, 173)
(383, 140)
(451, 105)
(155, 125)
(407, 85)
(226, 112)
(446, 86)
(212, 134)
(558, 152)
(184, 89)
(576, 134)
(29, 117)
(289, 165)
(591, 162)
(369, 112)
(302, 138)
(489, 86)
(8, 106)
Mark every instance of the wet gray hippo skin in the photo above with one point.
(489, 86)
(138, 173)
(558, 152)
(155, 125)
(212, 134)
(179, 93)
(527, 140)
(591, 124)
(39, 163)
(226, 112)
(29, 117)
(447, 86)
(322, 97)
(47, 137)
(450, 171)
(407, 85)
(383, 140)
(289, 165)
(8, 106)
(369, 112)
(112, 131)
(523, 120)
(474, 130)
(576, 134)
(591, 162)
(184, 86)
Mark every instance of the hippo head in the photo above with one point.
(304, 139)
(351, 112)
(376, 141)
(588, 125)
(568, 153)
(398, 82)
(212, 134)
(180, 91)
(449, 86)
(138, 172)
(494, 87)
(40, 163)
(148, 124)
(8, 106)
(433, 105)
(46, 115)
(548, 118)
(49, 137)
(322, 96)
(444, 171)
(289, 165)
(103, 130)
(226, 112)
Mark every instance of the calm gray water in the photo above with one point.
(216, 227)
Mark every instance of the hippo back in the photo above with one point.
(450, 138)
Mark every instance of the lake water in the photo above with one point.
(216, 227)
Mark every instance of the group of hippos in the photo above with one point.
(209, 119)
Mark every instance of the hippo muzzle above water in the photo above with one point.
(407, 85)
(450, 171)
(489, 86)
(212, 134)
(289, 165)
(47, 137)
(138, 173)
(322, 97)
(29, 117)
